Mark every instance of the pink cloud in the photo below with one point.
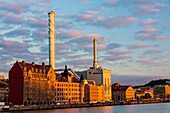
(119, 52)
(91, 12)
(111, 3)
(150, 63)
(37, 22)
(69, 35)
(15, 7)
(116, 58)
(111, 22)
(154, 8)
(138, 46)
(152, 51)
(149, 22)
(16, 18)
(161, 38)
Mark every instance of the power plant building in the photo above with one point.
(99, 75)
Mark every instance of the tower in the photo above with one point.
(52, 35)
(95, 64)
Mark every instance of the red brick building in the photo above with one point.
(30, 83)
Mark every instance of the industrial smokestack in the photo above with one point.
(52, 35)
(95, 64)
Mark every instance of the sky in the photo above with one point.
(132, 36)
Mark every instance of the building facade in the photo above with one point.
(94, 94)
(4, 90)
(162, 91)
(144, 93)
(30, 83)
(101, 77)
(122, 93)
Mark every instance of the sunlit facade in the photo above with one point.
(69, 89)
(144, 93)
(30, 84)
(101, 77)
(94, 93)
(122, 93)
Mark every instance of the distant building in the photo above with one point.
(3, 90)
(30, 83)
(162, 91)
(144, 93)
(122, 93)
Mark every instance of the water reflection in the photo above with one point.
(143, 108)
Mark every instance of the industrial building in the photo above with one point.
(99, 75)
(40, 84)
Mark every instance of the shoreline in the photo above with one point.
(66, 106)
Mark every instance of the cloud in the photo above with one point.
(110, 3)
(112, 46)
(150, 63)
(150, 33)
(161, 38)
(144, 7)
(147, 9)
(10, 46)
(85, 1)
(152, 51)
(18, 32)
(64, 25)
(149, 22)
(87, 16)
(39, 35)
(62, 35)
(15, 7)
(12, 18)
(118, 52)
(116, 58)
(88, 39)
(117, 55)
(37, 22)
(113, 21)
(139, 46)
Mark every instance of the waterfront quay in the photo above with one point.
(65, 106)
(61, 106)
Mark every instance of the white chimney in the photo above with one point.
(95, 64)
(52, 35)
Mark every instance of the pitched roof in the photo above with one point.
(29, 66)
(120, 88)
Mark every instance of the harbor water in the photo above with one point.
(140, 108)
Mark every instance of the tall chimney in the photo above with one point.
(95, 65)
(52, 35)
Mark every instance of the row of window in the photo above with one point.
(68, 85)
(66, 89)
(68, 94)
(36, 70)
(65, 98)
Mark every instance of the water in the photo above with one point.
(141, 108)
